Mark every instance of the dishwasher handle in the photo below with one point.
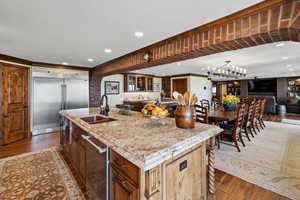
(87, 138)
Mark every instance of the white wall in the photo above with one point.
(197, 85)
(113, 100)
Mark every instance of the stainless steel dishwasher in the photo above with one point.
(98, 173)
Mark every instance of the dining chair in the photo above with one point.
(255, 117)
(215, 103)
(261, 114)
(247, 126)
(235, 130)
(245, 100)
(205, 103)
(201, 114)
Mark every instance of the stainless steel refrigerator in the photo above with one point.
(55, 90)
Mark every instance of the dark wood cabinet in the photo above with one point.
(73, 148)
(233, 88)
(14, 114)
(166, 86)
(122, 187)
(138, 83)
(125, 178)
(179, 85)
(149, 84)
(135, 105)
(90, 166)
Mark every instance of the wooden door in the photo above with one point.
(15, 103)
(179, 85)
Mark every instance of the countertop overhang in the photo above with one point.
(138, 140)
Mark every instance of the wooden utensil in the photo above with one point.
(175, 95)
(186, 97)
(191, 99)
(180, 99)
(194, 99)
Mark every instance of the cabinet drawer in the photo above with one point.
(122, 188)
(126, 167)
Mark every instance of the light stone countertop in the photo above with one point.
(143, 141)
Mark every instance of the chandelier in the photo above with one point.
(227, 70)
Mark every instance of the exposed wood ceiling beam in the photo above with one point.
(265, 22)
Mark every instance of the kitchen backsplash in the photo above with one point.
(129, 96)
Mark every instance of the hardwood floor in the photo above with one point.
(228, 187)
(35, 143)
(233, 188)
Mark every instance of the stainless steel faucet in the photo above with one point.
(104, 110)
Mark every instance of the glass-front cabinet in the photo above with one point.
(138, 83)
(149, 84)
(131, 84)
(141, 84)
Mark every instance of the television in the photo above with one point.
(262, 86)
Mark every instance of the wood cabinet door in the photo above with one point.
(15, 103)
(179, 85)
(122, 188)
(185, 176)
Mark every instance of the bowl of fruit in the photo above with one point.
(155, 111)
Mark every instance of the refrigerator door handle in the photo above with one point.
(63, 96)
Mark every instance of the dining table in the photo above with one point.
(220, 115)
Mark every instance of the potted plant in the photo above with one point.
(229, 102)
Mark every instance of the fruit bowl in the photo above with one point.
(154, 111)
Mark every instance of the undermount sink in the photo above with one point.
(96, 119)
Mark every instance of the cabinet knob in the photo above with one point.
(122, 182)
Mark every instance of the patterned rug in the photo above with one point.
(39, 175)
(271, 160)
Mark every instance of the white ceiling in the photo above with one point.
(73, 31)
(268, 60)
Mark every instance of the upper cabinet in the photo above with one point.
(138, 83)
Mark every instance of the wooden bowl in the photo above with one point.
(185, 117)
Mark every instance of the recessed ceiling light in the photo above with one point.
(64, 63)
(91, 60)
(179, 63)
(285, 58)
(107, 50)
(288, 66)
(291, 69)
(139, 34)
(280, 44)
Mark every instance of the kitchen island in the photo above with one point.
(143, 158)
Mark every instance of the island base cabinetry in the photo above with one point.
(107, 175)
(182, 177)
(89, 166)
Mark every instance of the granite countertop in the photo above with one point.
(143, 141)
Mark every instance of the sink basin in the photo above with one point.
(97, 119)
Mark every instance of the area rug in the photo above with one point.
(37, 175)
(271, 160)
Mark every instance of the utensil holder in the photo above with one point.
(185, 117)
